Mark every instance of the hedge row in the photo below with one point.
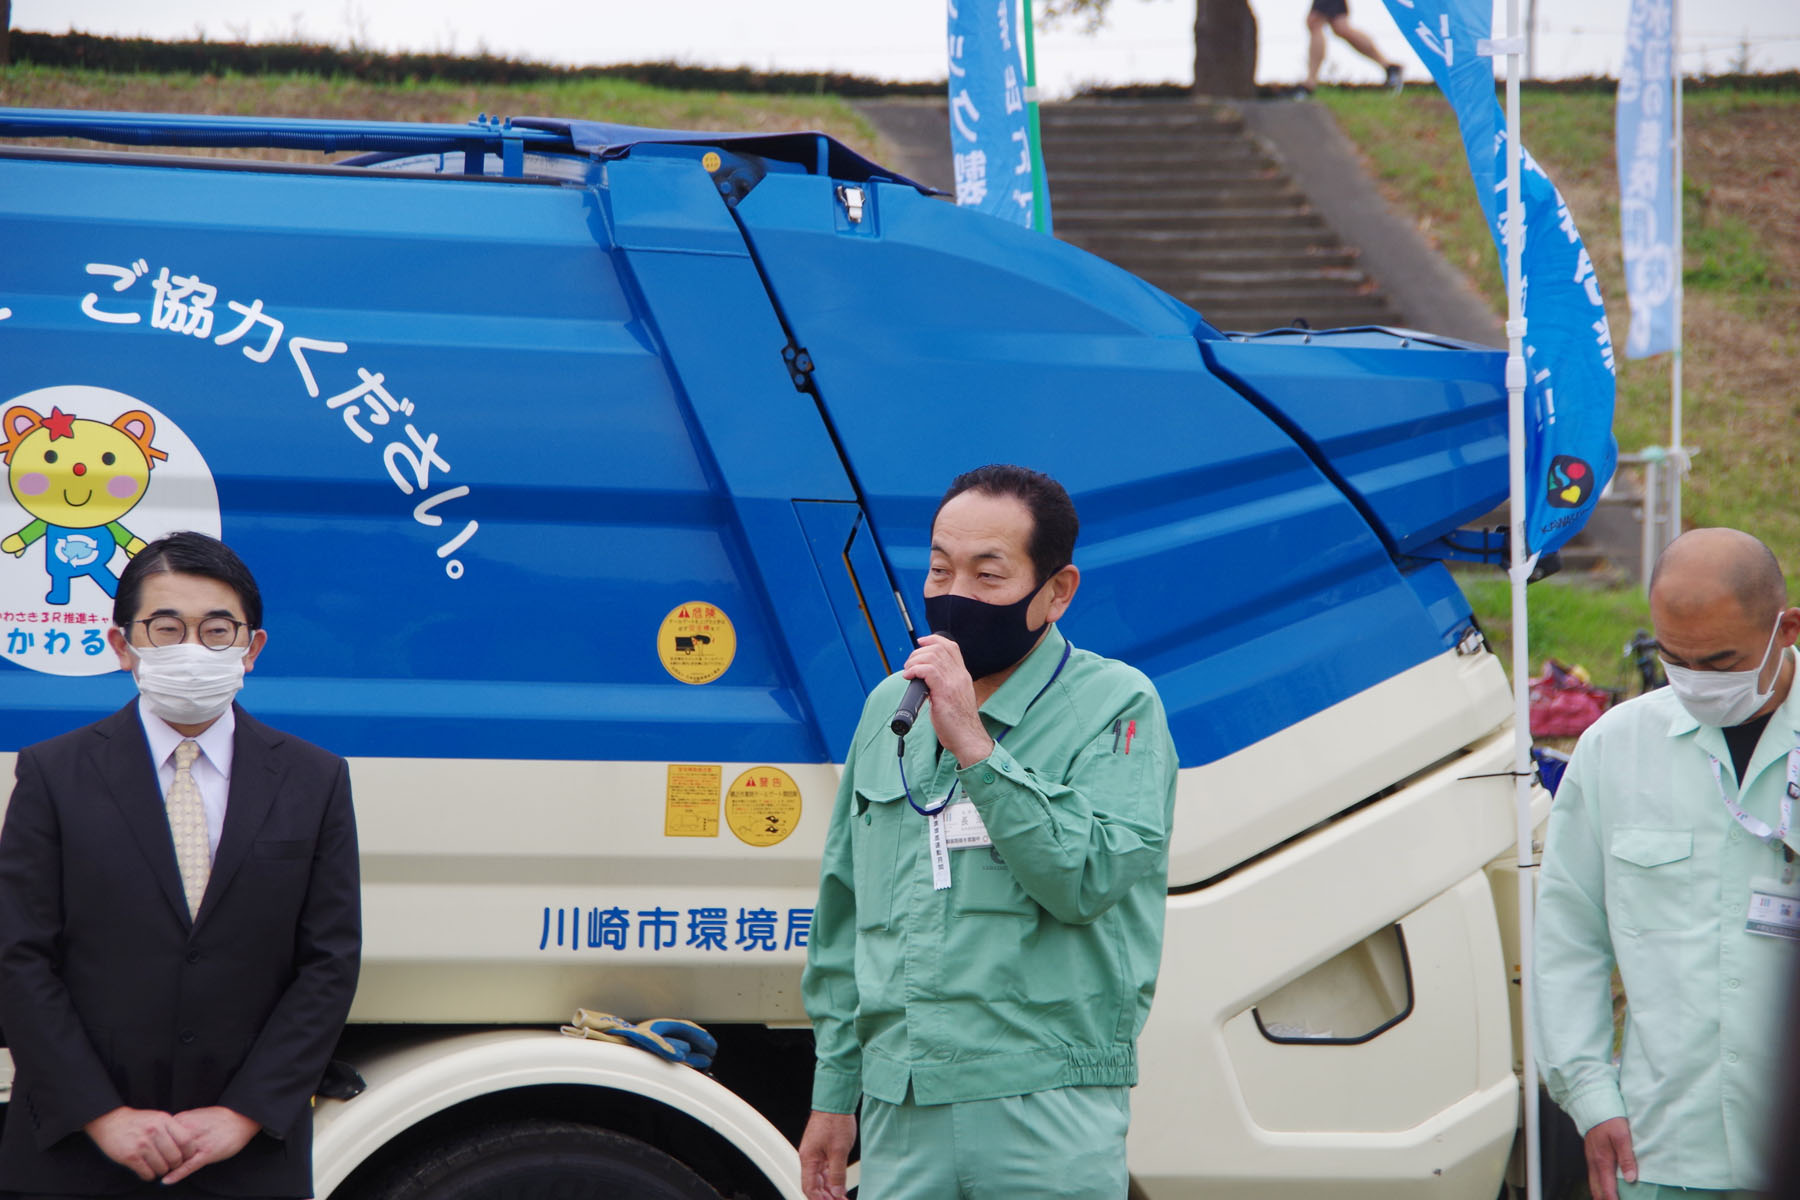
(142, 56)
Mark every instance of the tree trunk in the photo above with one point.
(1224, 49)
(5, 29)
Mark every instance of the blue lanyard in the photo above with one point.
(945, 802)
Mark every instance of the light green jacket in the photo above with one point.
(1643, 866)
(1035, 969)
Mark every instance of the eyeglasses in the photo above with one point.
(215, 633)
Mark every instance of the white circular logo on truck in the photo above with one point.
(92, 476)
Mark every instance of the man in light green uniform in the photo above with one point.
(1671, 852)
(977, 977)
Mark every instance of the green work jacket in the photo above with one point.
(1644, 867)
(1035, 968)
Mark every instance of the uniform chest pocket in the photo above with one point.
(984, 884)
(1653, 879)
(877, 822)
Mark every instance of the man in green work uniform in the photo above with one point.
(990, 912)
(1671, 852)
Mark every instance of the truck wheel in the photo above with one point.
(543, 1160)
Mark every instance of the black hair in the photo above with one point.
(187, 553)
(1054, 525)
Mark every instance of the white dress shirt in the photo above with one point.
(211, 770)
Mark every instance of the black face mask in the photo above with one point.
(992, 637)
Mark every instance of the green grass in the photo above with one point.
(1742, 327)
(1725, 255)
(1576, 625)
(1415, 149)
(616, 100)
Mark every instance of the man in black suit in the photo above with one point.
(180, 918)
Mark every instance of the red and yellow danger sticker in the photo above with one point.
(696, 642)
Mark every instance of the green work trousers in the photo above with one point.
(1065, 1142)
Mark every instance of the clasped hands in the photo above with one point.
(170, 1146)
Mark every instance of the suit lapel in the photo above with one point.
(122, 757)
(256, 774)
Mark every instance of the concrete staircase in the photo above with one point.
(1183, 195)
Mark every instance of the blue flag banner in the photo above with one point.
(990, 130)
(1570, 453)
(1646, 178)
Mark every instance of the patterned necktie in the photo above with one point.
(187, 824)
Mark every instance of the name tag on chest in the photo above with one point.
(963, 829)
(1774, 911)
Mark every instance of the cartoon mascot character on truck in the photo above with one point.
(76, 479)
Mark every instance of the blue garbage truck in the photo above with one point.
(587, 473)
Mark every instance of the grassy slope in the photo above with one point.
(1742, 326)
(309, 96)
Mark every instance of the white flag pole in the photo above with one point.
(1520, 570)
(1680, 455)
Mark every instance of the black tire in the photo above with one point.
(543, 1160)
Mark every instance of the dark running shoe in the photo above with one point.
(1395, 80)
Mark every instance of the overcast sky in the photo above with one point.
(1142, 41)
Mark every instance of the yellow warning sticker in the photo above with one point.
(710, 161)
(696, 642)
(763, 806)
(692, 807)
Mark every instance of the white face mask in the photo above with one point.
(1723, 698)
(188, 684)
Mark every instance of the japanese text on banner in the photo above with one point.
(990, 129)
(1646, 185)
(1569, 448)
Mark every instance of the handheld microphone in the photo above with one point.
(908, 712)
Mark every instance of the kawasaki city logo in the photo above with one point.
(1571, 482)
